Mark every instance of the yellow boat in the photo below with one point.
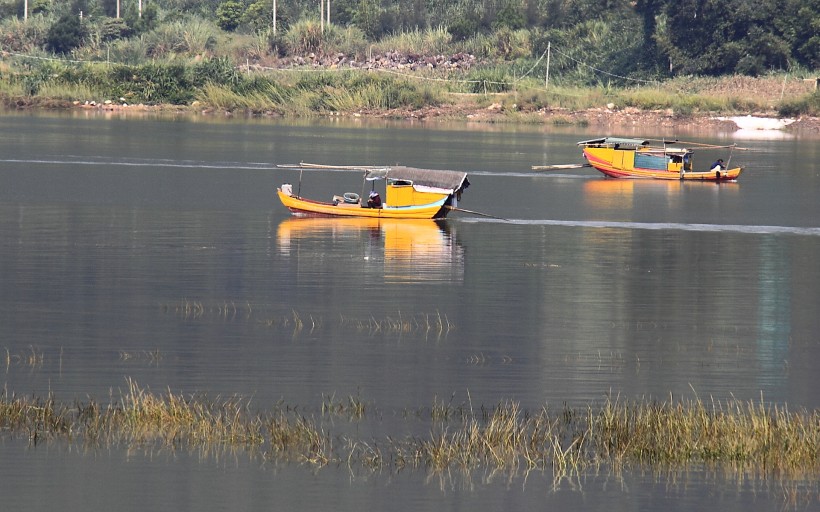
(636, 158)
(410, 193)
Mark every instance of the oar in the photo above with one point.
(558, 167)
(475, 213)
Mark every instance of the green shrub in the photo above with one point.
(807, 105)
(153, 83)
(217, 70)
(489, 80)
(193, 36)
(111, 29)
(24, 37)
(316, 81)
(304, 37)
(66, 34)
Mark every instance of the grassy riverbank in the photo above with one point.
(674, 433)
(489, 94)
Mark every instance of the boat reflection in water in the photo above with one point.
(627, 195)
(410, 250)
(620, 194)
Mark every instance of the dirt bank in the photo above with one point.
(466, 110)
(605, 118)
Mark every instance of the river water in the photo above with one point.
(153, 249)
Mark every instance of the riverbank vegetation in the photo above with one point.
(521, 55)
(745, 436)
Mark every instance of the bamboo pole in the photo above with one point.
(473, 212)
(713, 146)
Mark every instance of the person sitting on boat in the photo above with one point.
(374, 200)
(718, 165)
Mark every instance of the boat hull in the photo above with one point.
(602, 160)
(308, 207)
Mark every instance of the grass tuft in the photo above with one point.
(743, 436)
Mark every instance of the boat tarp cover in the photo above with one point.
(432, 179)
(613, 141)
(654, 162)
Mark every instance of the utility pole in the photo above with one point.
(118, 9)
(25, 10)
(547, 79)
(322, 14)
(274, 17)
(328, 13)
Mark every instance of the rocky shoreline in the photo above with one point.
(625, 119)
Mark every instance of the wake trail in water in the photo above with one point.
(187, 164)
(657, 226)
(266, 166)
(532, 174)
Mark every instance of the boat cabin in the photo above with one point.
(638, 154)
(408, 186)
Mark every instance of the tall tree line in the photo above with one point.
(649, 37)
(709, 37)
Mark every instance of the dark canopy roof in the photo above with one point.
(449, 181)
(614, 140)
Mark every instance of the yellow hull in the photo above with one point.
(308, 207)
(618, 163)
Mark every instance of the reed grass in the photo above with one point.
(224, 98)
(767, 439)
(435, 323)
(431, 41)
(33, 357)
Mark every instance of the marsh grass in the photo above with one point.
(436, 323)
(33, 357)
(225, 98)
(353, 407)
(741, 437)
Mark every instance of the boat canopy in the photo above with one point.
(614, 141)
(423, 180)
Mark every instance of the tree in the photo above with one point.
(651, 58)
(804, 28)
(366, 17)
(510, 16)
(259, 15)
(715, 37)
(141, 24)
(65, 34)
(228, 15)
(112, 28)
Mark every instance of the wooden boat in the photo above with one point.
(410, 193)
(637, 158)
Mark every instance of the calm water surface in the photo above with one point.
(153, 249)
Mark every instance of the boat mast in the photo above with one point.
(731, 150)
